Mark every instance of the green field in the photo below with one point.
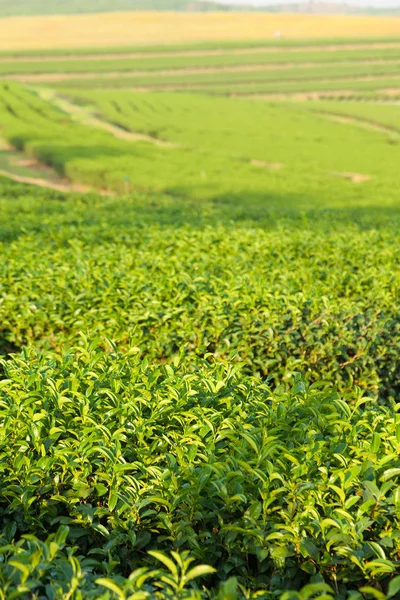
(174, 61)
(200, 382)
(258, 68)
(295, 43)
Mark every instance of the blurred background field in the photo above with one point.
(133, 28)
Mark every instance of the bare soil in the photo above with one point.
(391, 91)
(85, 116)
(359, 121)
(314, 95)
(267, 165)
(60, 77)
(30, 163)
(53, 181)
(353, 177)
(45, 183)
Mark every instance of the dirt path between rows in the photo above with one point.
(273, 166)
(205, 52)
(123, 134)
(289, 80)
(358, 121)
(196, 86)
(84, 116)
(313, 95)
(53, 185)
(41, 174)
(223, 89)
(353, 177)
(60, 77)
(55, 77)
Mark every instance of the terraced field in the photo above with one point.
(284, 68)
(219, 143)
(199, 320)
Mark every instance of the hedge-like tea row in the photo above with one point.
(310, 293)
(117, 460)
(193, 433)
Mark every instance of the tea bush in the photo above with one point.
(308, 293)
(243, 418)
(114, 459)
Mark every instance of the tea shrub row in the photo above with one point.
(281, 295)
(220, 149)
(206, 430)
(118, 459)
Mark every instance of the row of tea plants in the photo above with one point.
(197, 401)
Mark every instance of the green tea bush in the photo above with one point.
(194, 433)
(282, 296)
(114, 459)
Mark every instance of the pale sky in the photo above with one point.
(376, 3)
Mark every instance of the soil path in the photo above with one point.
(201, 70)
(206, 52)
(358, 121)
(38, 173)
(315, 94)
(53, 185)
(251, 82)
(353, 177)
(274, 166)
(83, 115)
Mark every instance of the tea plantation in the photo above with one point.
(199, 377)
(191, 381)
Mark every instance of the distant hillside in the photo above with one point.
(60, 7)
(48, 7)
